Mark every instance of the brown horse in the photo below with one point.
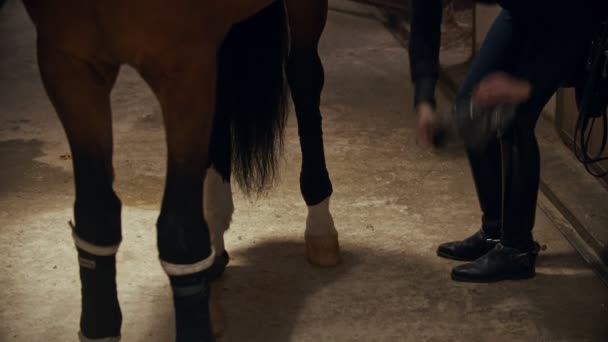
(217, 68)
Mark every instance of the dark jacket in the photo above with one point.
(425, 36)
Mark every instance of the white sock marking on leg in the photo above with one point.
(319, 221)
(218, 207)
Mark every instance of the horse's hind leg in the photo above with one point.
(305, 75)
(187, 97)
(79, 92)
(217, 198)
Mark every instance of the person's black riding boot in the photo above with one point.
(468, 249)
(501, 263)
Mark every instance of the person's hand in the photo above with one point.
(500, 87)
(424, 128)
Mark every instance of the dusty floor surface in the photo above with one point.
(394, 203)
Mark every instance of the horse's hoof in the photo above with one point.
(215, 309)
(219, 266)
(323, 251)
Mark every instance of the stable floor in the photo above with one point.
(394, 202)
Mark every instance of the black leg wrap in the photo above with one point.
(306, 78)
(191, 300)
(315, 184)
(218, 267)
(100, 316)
(97, 210)
(185, 242)
(182, 233)
(99, 222)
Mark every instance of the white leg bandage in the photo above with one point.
(93, 249)
(185, 269)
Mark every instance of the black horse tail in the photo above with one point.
(252, 97)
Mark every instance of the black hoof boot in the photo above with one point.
(100, 317)
(468, 249)
(219, 266)
(191, 300)
(501, 263)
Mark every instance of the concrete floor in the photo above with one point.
(394, 203)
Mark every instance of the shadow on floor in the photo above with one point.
(269, 284)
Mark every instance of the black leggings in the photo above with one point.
(545, 48)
